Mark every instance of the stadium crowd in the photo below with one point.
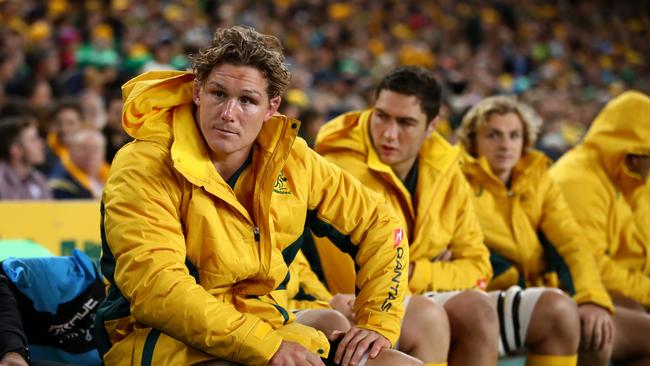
(453, 112)
(565, 58)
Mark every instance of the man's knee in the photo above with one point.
(424, 320)
(424, 313)
(558, 310)
(473, 312)
(393, 357)
(554, 325)
(325, 320)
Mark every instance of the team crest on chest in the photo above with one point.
(279, 186)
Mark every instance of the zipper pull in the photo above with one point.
(256, 233)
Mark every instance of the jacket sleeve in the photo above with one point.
(312, 294)
(144, 234)
(592, 208)
(359, 222)
(12, 335)
(469, 267)
(560, 227)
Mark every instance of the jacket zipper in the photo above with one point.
(256, 233)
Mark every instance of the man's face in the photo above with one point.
(398, 127)
(88, 153)
(639, 164)
(114, 114)
(32, 149)
(67, 122)
(232, 107)
(501, 142)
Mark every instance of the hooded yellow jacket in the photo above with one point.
(604, 194)
(513, 219)
(440, 217)
(193, 274)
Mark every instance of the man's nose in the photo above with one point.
(391, 130)
(228, 109)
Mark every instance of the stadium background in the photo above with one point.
(566, 58)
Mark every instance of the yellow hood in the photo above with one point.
(622, 127)
(345, 132)
(147, 101)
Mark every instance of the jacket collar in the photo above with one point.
(350, 133)
(190, 156)
(479, 170)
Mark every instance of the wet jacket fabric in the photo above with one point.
(195, 275)
(514, 220)
(440, 217)
(607, 198)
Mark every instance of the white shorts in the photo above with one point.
(515, 308)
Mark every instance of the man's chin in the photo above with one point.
(388, 159)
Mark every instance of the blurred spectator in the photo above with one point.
(566, 51)
(21, 150)
(311, 121)
(65, 119)
(113, 132)
(162, 55)
(93, 108)
(41, 65)
(9, 65)
(82, 175)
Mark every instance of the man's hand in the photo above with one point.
(344, 304)
(293, 354)
(356, 343)
(12, 359)
(596, 327)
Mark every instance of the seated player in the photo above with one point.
(532, 237)
(202, 216)
(394, 150)
(604, 180)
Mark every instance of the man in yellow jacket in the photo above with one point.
(535, 242)
(203, 212)
(393, 149)
(603, 181)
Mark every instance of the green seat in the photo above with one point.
(22, 248)
(512, 361)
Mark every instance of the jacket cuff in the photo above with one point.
(259, 345)
(384, 325)
(601, 299)
(311, 338)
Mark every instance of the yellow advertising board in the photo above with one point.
(59, 226)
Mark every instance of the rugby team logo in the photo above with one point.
(279, 187)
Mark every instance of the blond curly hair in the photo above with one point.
(244, 46)
(480, 113)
